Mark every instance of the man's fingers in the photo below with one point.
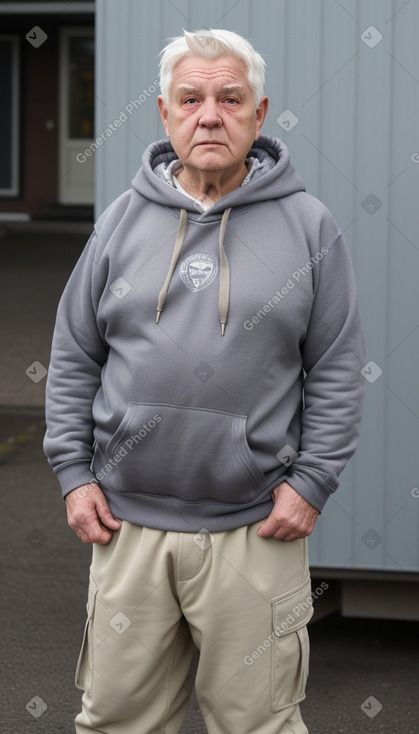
(291, 517)
(88, 528)
(274, 527)
(106, 517)
(89, 515)
(93, 529)
(269, 527)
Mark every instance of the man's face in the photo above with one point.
(211, 115)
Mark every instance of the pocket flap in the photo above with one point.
(292, 610)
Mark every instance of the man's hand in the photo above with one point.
(89, 515)
(292, 517)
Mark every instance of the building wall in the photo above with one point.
(349, 73)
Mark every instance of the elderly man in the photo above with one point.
(204, 394)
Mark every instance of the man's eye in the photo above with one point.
(191, 100)
(231, 100)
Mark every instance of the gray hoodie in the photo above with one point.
(252, 375)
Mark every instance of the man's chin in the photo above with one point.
(212, 159)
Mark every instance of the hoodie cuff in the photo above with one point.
(71, 476)
(311, 485)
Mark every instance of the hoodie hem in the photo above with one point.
(172, 514)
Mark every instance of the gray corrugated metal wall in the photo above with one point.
(349, 71)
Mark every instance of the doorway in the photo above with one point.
(76, 169)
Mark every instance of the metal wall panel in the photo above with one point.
(349, 71)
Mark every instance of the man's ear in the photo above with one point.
(261, 112)
(163, 113)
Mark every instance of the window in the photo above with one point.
(9, 117)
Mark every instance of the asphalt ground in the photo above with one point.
(364, 673)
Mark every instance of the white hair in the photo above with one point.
(212, 43)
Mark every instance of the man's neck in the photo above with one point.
(210, 185)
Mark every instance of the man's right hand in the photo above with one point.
(89, 515)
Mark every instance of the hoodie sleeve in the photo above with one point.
(78, 354)
(333, 356)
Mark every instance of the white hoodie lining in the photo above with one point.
(175, 167)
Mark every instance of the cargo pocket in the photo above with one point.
(84, 669)
(290, 651)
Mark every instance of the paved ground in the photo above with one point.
(357, 666)
(35, 264)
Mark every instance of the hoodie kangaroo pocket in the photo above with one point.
(185, 452)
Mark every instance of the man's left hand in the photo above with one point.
(292, 517)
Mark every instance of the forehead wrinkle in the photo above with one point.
(192, 76)
(226, 89)
(207, 75)
(215, 70)
(234, 67)
(190, 82)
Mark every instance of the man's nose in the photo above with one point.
(210, 115)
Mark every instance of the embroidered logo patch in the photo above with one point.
(198, 271)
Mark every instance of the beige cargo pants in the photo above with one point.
(243, 601)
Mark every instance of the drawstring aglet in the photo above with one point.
(158, 315)
(223, 328)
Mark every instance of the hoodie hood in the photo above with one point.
(274, 178)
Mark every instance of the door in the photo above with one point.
(76, 115)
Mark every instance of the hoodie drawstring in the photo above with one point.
(183, 221)
(224, 293)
